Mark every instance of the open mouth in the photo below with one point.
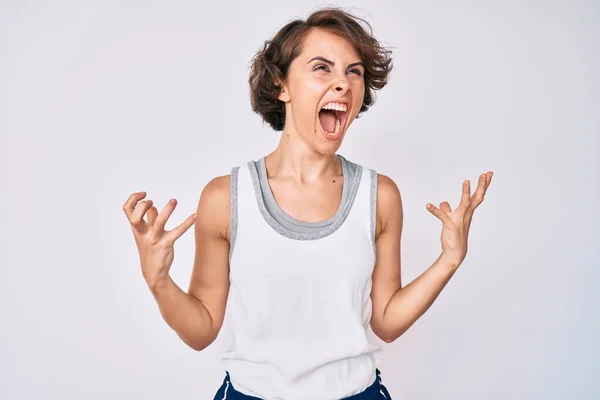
(332, 117)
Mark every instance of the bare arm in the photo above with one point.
(197, 316)
(397, 308)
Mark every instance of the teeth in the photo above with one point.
(335, 106)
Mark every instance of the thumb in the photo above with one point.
(179, 230)
(441, 215)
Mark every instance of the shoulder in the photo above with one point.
(389, 201)
(213, 212)
(389, 204)
(217, 189)
(387, 190)
(388, 194)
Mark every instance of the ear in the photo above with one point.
(283, 92)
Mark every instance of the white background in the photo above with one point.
(99, 99)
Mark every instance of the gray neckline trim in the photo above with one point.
(266, 191)
(233, 192)
(373, 196)
(329, 226)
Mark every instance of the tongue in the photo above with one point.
(327, 118)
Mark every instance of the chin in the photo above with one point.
(327, 149)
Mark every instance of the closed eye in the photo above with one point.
(356, 71)
(321, 67)
(324, 67)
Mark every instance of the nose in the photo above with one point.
(341, 84)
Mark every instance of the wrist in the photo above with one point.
(158, 283)
(451, 261)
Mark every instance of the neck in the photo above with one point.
(294, 158)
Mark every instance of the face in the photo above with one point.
(323, 92)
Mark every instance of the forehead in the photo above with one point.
(319, 42)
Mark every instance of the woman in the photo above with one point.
(297, 253)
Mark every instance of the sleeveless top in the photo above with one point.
(299, 303)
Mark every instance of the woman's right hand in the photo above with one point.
(154, 244)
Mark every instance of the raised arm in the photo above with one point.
(397, 308)
(197, 316)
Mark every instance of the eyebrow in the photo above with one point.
(332, 63)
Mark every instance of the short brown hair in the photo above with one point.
(270, 64)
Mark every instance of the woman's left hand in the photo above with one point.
(456, 224)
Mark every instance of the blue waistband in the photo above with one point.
(373, 392)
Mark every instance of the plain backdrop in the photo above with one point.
(99, 99)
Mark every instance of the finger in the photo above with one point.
(489, 176)
(163, 216)
(465, 200)
(445, 206)
(137, 217)
(178, 231)
(479, 194)
(152, 213)
(131, 202)
(442, 216)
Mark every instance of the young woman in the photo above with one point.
(298, 253)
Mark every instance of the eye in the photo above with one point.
(321, 67)
(356, 71)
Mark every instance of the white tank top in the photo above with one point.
(299, 303)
